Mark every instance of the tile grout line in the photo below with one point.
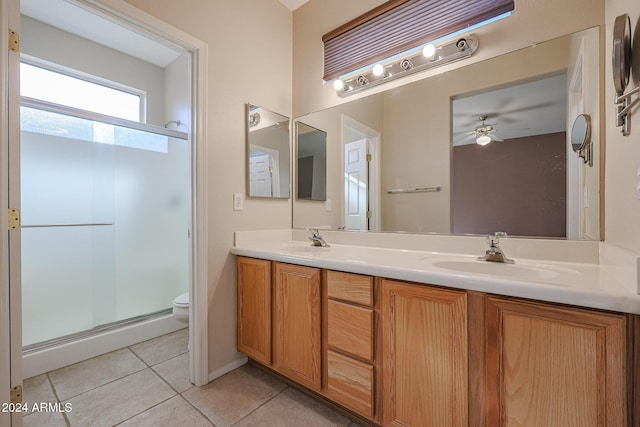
(197, 409)
(104, 384)
(55, 393)
(262, 404)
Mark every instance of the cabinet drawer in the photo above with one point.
(350, 287)
(350, 383)
(350, 329)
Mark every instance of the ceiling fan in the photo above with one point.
(483, 134)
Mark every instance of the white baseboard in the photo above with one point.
(227, 368)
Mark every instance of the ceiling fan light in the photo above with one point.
(483, 140)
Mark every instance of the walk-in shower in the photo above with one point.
(105, 183)
(105, 220)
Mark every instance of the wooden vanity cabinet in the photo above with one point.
(254, 308)
(405, 354)
(297, 351)
(425, 357)
(550, 365)
(350, 330)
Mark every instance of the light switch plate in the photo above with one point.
(238, 201)
(328, 205)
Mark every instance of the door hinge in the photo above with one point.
(16, 394)
(368, 157)
(13, 219)
(14, 41)
(369, 214)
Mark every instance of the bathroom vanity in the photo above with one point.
(418, 338)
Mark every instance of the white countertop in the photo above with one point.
(576, 283)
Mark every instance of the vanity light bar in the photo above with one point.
(455, 50)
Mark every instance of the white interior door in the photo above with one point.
(356, 183)
(260, 176)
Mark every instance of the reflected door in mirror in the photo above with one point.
(268, 147)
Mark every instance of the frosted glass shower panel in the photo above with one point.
(67, 281)
(65, 180)
(152, 217)
(105, 218)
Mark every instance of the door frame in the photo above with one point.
(128, 15)
(575, 173)
(10, 305)
(125, 13)
(374, 148)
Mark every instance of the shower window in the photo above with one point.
(64, 89)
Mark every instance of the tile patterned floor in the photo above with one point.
(147, 384)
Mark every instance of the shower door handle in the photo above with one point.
(67, 225)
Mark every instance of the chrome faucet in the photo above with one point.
(494, 253)
(317, 239)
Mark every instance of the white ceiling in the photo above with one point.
(533, 108)
(293, 4)
(84, 23)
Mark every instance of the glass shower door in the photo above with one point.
(105, 214)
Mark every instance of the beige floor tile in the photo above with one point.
(176, 372)
(76, 379)
(119, 400)
(37, 389)
(293, 409)
(234, 395)
(174, 412)
(162, 348)
(49, 419)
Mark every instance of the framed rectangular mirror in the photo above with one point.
(311, 163)
(416, 127)
(268, 153)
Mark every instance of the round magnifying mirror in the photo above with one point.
(581, 132)
(621, 52)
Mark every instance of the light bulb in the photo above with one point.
(338, 84)
(429, 50)
(483, 140)
(378, 69)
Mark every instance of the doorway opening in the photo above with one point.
(109, 235)
(361, 169)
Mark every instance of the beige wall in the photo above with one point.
(243, 36)
(622, 207)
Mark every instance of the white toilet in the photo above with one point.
(181, 308)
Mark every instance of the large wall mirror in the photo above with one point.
(427, 170)
(268, 151)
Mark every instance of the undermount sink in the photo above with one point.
(516, 271)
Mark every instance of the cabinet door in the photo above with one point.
(553, 366)
(254, 308)
(424, 332)
(296, 317)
